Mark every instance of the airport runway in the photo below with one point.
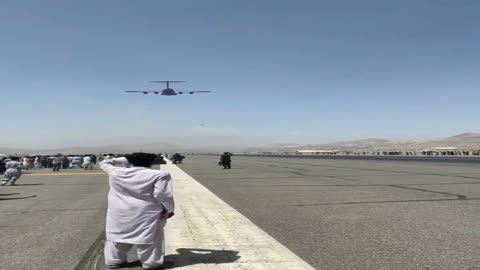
(49, 220)
(334, 214)
(356, 214)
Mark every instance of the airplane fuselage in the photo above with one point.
(168, 92)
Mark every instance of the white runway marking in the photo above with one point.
(203, 221)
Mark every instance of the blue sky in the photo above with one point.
(280, 71)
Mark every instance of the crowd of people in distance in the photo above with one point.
(55, 162)
(11, 166)
(59, 161)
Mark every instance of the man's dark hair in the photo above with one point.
(141, 159)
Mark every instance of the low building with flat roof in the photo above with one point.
(445, 148)
(316, 152)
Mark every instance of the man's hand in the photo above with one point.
(166, 215)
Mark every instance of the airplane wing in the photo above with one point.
(144, 92)
(167, 81)
(168, 94)
(193, 92)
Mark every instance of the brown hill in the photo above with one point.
(461, 141)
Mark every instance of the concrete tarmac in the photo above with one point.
(334, 214)
(356, 214)
(49, 220)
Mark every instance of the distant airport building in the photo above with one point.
(316, 152)
(445, 148)
(449, 151)
(434, 151)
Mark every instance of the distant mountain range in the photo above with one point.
(462, 141)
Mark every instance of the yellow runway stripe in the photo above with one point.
(63, 174)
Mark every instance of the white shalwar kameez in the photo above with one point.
(136, 200)
(12, 173)
(37, 164)
(87, 163)
(76, 162)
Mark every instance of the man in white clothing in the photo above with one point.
(87, 163)
(139, 203)
(37, 164)
(13, 171)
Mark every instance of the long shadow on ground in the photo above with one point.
(192, 256)
(19, 198)
(39, 184)
(8, 194)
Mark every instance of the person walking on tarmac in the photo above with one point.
(177, 158)
(57, 163)
(13, 171)
(93, 158)
(226, 160)
(87, 163)
(2, 164)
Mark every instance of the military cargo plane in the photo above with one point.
(168, 91)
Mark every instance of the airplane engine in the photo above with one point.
(180, 93)
(145, 93)
(191, 93)
(156, 93)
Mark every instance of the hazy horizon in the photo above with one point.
(186, 142)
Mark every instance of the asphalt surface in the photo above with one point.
(49, 221)
(356, 214)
